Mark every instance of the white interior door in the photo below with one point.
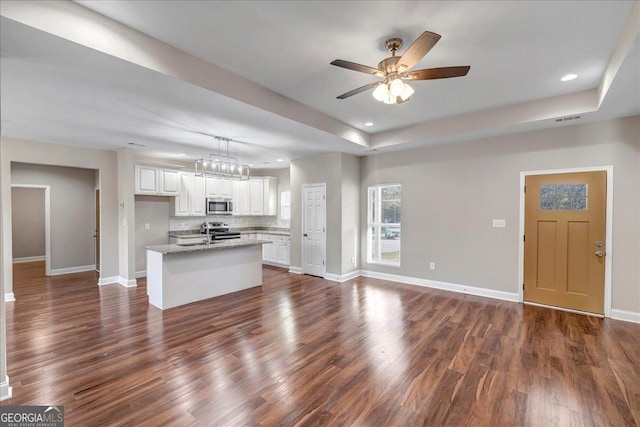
(314, 221)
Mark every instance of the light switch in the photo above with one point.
(146, 226)
(499, 223)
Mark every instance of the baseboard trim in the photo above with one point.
(342, 278)
(626, 316)
(127, 283)
(140, 274)
(5, 390)
(28, 259)
(464, 289)
(9, 297)
(295, 270)
(69, 270)
(108, 281)
(275, 264)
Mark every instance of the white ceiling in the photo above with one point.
(56, 90)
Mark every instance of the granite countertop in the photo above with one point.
(224, 244)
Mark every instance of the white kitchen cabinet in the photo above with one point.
(218, 188)
(156, 180)
(191, 197)
(278, 251)
(146, 179)
(257, 196)
(169, 181)
(283, 253)
(197, 198)
(241, 198)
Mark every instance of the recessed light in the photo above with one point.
(280, 160)
(182, 155)
(369, 124)
(568, 77)
(250, 165)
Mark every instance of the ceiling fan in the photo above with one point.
(394, 69)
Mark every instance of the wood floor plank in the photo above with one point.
(303, 351)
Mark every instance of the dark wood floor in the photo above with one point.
(304, 351)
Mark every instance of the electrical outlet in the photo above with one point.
(432, 266)
(499, 223)
(147, 226)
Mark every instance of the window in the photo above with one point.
(563, 197)
(285, 205)
(383, 234)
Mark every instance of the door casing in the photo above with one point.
(608, 229)
(47, 222)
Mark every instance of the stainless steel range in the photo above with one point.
(218, 231)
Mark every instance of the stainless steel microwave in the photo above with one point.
(219, 207)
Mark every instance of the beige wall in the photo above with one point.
(317, 170)
(22, 151)
(4, 286)
(27, 220)
(340, 172)
(126, 216)
(72, 210)
(152, 210)
(451, 193)
(350, 213)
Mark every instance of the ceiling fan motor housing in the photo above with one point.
(388, 65)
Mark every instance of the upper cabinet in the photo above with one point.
(156, 180)
(258, 196)
(241, 198)
(191, 197)
(218, 188)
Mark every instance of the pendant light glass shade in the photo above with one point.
(396, 87)
(406, 92)
(380, 92)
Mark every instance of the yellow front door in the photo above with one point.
(565, 247)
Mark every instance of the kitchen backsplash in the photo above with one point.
(177, 223)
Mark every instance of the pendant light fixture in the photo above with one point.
(222, 165)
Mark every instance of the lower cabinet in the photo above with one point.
(278, 251)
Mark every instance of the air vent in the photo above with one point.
(568, 118)
(135, 144)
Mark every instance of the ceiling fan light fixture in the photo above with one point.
(380, 93)
(396, 87)
(407, 92)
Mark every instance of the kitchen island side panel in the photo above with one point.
(195, 276)
(154, 278)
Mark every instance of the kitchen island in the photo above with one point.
(182, 274)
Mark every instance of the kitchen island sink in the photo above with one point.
(179, 274)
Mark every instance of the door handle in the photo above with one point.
(599, 253)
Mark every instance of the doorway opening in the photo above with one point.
(565, 254)
(31, 224)
(314, 222)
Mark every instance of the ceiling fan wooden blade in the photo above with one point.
(438, 73)
(357, 67)
(359, 90)
(417, 50)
